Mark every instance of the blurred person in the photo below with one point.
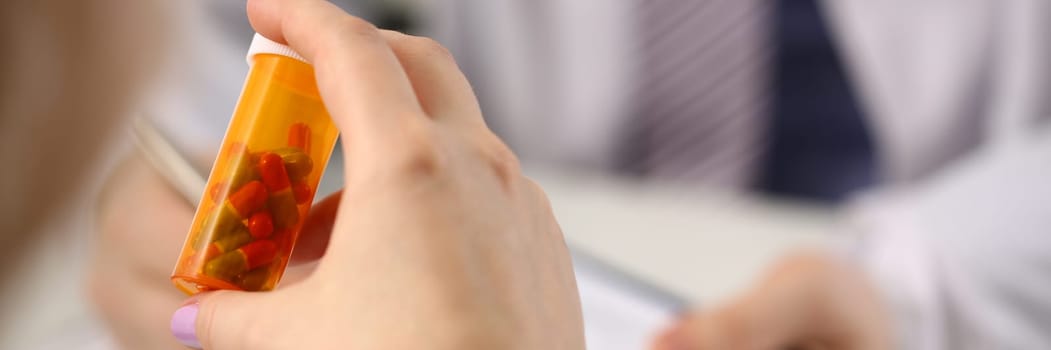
(468, 226)
(63, 94)
(925, 122)
(938, 105)
(917, 258)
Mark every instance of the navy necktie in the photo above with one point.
(819, 146)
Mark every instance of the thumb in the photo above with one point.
(805, 300)
(733, 327)
(776, 313)
(225, 320)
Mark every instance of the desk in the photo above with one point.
(696, 244)
(700, 245)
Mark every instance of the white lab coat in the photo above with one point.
(959, 238)
(958, 94)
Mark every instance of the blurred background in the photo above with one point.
(686, 146)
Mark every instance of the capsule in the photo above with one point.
(229, 242)
(297, 163)
(240, 205)
(230, 264)
(284, 209)
(261, 225)
(299, 136)
(224, 222)
(272, 169)
(253, 280)
(244, 166)
(248, 199)
(302, 192)
(282, 202)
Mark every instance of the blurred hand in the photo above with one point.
(142, 223)
(439, 243)
(808, 301)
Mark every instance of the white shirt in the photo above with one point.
(958, 94)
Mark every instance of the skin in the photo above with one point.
(141, 226)
(442, 243)
(138, 244)
(445, 245)
(62, 99)
(807, 301)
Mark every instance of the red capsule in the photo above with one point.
(259, 253)
(249, 198)
(261, 225)
(299, 136)
(302, 192)
(272, 169)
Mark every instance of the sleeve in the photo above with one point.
(964, 260)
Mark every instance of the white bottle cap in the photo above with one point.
(261, 45)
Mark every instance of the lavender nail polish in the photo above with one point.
(184, 326)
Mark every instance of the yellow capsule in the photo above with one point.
(255, 279)
(247, 257)
(233, 240)
(221, 223)
(245, 169)
(297, 163)
(226, 266)
(283, 208)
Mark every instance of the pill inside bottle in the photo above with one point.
(263, 180)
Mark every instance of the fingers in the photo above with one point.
(729, 328)
(227, 320)
(317, 230)
(805, 300)
(135, 199)
(244, 320)
(361, 81)
(440, 86)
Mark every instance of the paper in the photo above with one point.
(620, 313)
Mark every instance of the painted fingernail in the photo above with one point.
(184, 325)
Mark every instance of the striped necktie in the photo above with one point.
(701, 92)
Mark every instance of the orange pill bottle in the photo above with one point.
(264, 179)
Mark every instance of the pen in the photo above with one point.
(171, 164)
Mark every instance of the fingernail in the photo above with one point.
(184, 325)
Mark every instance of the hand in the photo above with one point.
(142, 223)
(806, 301)
(439, 243)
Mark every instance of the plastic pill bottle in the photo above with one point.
(264, 179)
